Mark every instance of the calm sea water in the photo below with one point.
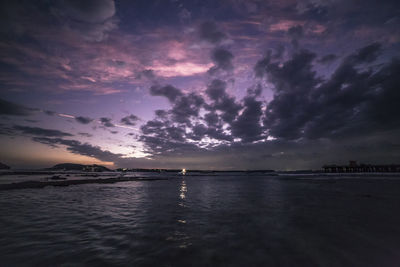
(205, 221)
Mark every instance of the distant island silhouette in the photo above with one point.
(61, 174)
(78, 167)
(352, 167)
(4, 166)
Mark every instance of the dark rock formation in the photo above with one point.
(4, 166)
(79, 167)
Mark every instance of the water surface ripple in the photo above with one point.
(204, 221)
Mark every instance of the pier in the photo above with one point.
(354, 167)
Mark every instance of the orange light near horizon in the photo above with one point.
(26, 153)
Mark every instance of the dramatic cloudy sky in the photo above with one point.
(205, 84)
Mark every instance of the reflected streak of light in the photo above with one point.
(183, 190)
(182, 237)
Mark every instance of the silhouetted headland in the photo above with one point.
(4, 166)
(79, 167)
(40, 184)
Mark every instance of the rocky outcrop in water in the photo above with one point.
(4, 166)
(79, 167)
(40, 184)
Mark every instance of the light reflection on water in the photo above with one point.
(181, 236)
(183, 189)
(204, 221)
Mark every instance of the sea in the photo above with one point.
(205, 219)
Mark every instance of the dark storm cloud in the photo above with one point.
(90, 11)
(171, 130)
(383, 108)
(199, 131)
(327, 59)
(32, 121)
(209, 31)
(49, 112)
(222, 59)
(315, 11)
(79, 148)
(165, 137)
(164, 129)
(212, 128)
(366, 54)
(186, 107)
(168, 91)
(153, 127)
(293, 81)
(83, 120)
(279, 51)
(370, 13)
(344, 18)
(40, 131)
(86, 149)
(216, 90)
(130, 120)
(294, 75)
(106, 122)
(40, 38)
(212, 119)
(92, 19)
(161, 113)
(168, 147)
(7, 130)
(296, 33)
(12, 109)
(348, 94)
(261, 66)
(221, 101)
(354, 100)
(248, 126)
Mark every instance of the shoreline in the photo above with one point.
(56, 180)
(40, 184)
